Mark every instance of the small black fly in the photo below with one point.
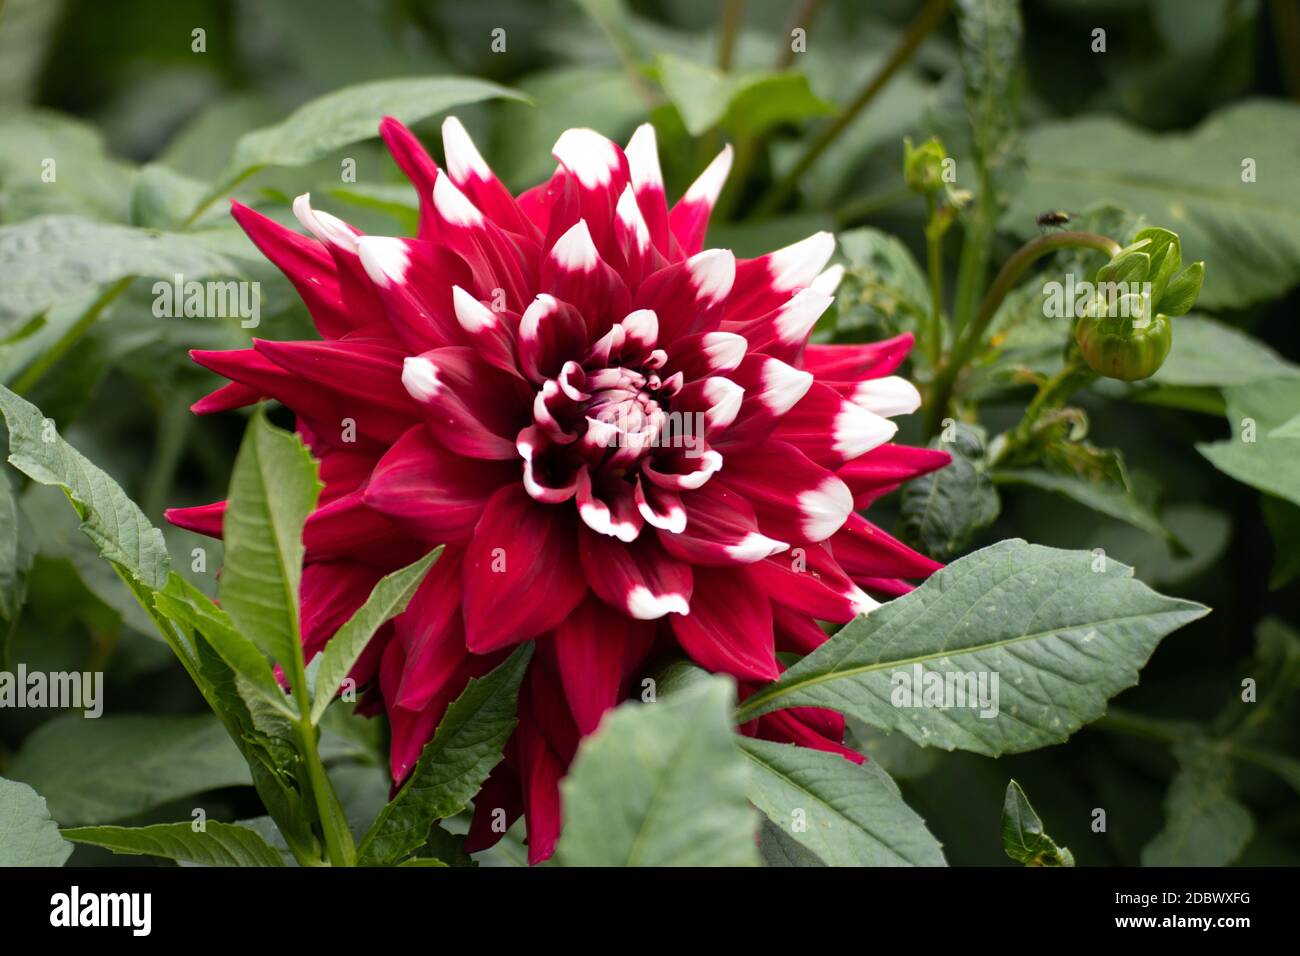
(1056, 217)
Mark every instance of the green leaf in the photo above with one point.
(1256, 454)
(85, 178)
(218, 844)
(273, 489)
(118, 528)
(454, 763)
(990, 32)
(96, 771)
(13, 557)
(1208, 352)
(1194, 183)
(388, 599)
(351, 114)
(28, 837)
(942, 511)
(660, 784)
(1023, 837)
(184, 603)
(883, 291)
(777, 849)
(1204, 823)
(1283, 520)
(746, 104)
(1059, 634)
(1108, 497)
(848, 815)
(50, 259)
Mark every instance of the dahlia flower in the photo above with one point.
(624, 440)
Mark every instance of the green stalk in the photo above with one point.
(934, 260)
(921, 27)
(34, 372)
(969, 339)
(801, 15)
(733, 14)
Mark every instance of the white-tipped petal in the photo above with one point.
(463, 158)
(629, 214)
(330, 230)
(825, 508)
(644, 605)
(795, 321)
(420, 378)
(829, 280)
(574, 250)
(588, 155)
(856, 431)
(797, 265)
(713, 273)
(724, 397)
(453, 205)
(755, 547)
(725, 350)
(783, 386)
(641, 325)
(384, 258)
(708, 187)
(472, 314)
(643, 158)
(888, 396)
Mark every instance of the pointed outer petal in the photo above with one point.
(886, 467)
(796, 633)
(767, 282)
(491, 334)
(886, 397)
(476, 180)
(551, 332)
(793, 726)
(682, 469)
(229, 396)
(889, 587)
(689, 219)
(721, 530)
(541, 770)
(305, 264)
(346, 528)
(324, 408)
(687, 296)
(729, 628)
(863, 550)
(809, 581)
(795, 499)
(522, 574)
(342, 472)
(550, 472)
(600, 172)
(783, 332)
(660, 507)
(589, 657)
(415, 162)
(639, 579)
(706, 353)
(538, 204)
(608, 506)
(574, 272)
(772, 389)
(828, 281)
(201, 519)
(852, 363)
(330, 593)
(543, 703)
(648, 184)
(355, 370)
(632, 236)
(500, 792)
(830, 430)
(712, 402)
(413, 280)
(432, 635)
(472, 408)
(355, 287)
(431, 493)
(497, 259)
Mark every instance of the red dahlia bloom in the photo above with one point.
(626, 444)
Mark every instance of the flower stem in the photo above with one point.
(934, 260)
(968, 339)
(733, 14)
(1073, 375)
(339, 847)
(921, 27)
(801, 15)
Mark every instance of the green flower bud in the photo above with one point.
(1118, 348)
(923, 166)
(1166, 252)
